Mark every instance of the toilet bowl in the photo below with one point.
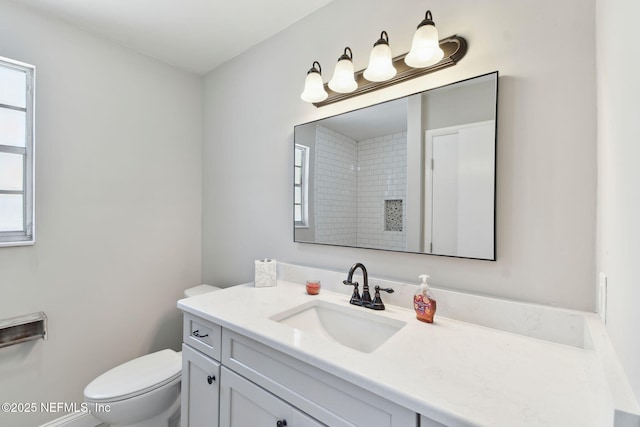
(143, 392)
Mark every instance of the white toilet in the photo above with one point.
(143, 392)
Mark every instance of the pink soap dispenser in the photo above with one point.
(423, 302)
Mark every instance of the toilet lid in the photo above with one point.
(136, 377)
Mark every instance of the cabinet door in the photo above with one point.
(200, 389)
(242, 404)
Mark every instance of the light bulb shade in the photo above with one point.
(343, 80)
(313, 86)
(380, 66)
(425, 48)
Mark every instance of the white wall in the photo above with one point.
(619, 177)
(546, 168)
(118, 210)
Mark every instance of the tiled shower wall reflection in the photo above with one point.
(335, 188)
(382, 175)
(353, 181)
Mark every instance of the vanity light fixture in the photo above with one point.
(343, 80)
(313, 86)
(427, 55)
(425, 48)
(380, 66)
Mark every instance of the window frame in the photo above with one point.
(26, 236)
(304, 186)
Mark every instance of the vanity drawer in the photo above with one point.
(202, 335)
(327, 398)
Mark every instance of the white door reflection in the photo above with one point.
(459, 208)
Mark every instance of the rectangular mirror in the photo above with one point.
(416, 174)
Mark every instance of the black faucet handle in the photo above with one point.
(377, 303)
(356, 299)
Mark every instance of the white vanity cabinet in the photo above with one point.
(452, 373)
(230, 380)
(200, 373)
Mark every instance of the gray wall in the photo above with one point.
(452, 106)
(618, 178)
(118, 202)
(546, 143)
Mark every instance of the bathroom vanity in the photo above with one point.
(278, 356)
(258, 385)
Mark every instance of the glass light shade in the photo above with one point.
(380, 66)
(343, 80)
(313, 88)
(425, 49)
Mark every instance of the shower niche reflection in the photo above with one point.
(416, 174)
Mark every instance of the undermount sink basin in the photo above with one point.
(354, 327)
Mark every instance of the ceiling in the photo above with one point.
(386, 118)
(195, 35)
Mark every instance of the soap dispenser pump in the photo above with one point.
(423, 302)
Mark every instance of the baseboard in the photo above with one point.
(79, 419)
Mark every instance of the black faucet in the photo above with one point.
(365, 299)
(356, 299)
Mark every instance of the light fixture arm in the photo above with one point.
(384, 39)
(345, 55)
(428, 20)
(313, 68)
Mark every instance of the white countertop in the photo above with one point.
(458, 373)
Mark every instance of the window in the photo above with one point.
(300, 190)
(16, 152)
